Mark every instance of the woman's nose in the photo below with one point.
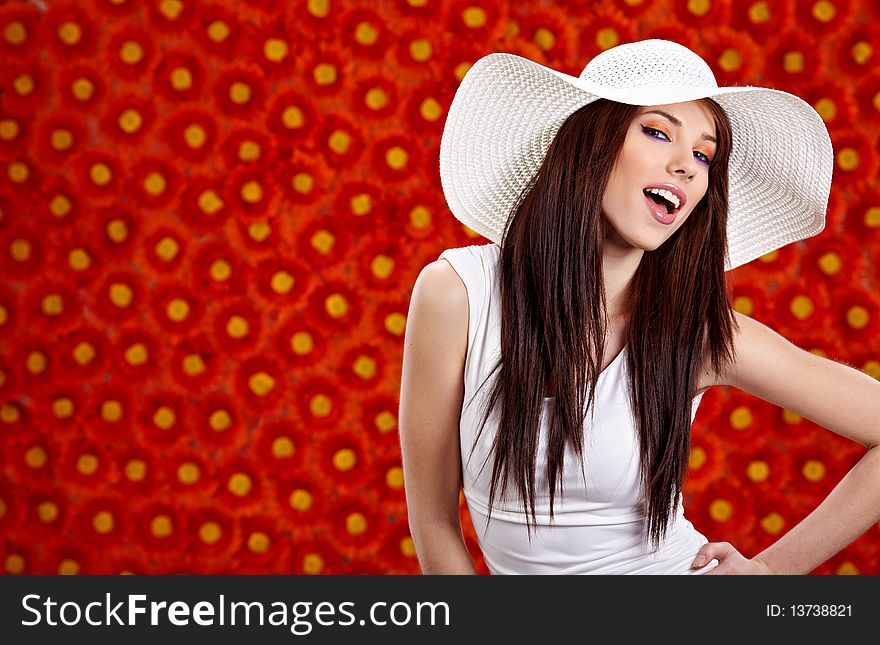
(684, 163)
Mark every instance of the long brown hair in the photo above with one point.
(553, 313)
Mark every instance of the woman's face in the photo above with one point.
(673, 150)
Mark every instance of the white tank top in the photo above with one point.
(595, 530)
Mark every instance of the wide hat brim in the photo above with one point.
(508, 109)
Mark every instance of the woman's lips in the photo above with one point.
(659, 211)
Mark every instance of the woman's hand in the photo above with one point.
(730, 561)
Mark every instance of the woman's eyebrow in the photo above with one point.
(675, 121)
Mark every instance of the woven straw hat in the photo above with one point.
(508, 109)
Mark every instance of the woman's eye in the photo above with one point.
(647, 129)
(705, 159)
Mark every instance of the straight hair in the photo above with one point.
(554, 316)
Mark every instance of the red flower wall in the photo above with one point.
(211, 218)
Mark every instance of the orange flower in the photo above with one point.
(218, 269)
(21, 254)
(22, 174)
(254, 192)
(59, 136)
(60, 209)
(765, 467)
(129, 119)
(343, 457)
(213, 535)
(84, 352)
(832, 99)
(166, 248)
(137, 354)
(101, 174)
(724, 509)
(249, 147)
(130, 52)
(59, 407)
(830, 260)
(120, 296)
(188, 473)
(70, 32)
(793, 59)
(281, 446)
(274, 48)
(292, 118)
(21, 26)
(179, 76)
(334, 306)
(855, 159)
(397, 157)
(238, 327)
(161, 528)
(324, 241)
(219, 424)
(35, 361)
(25, 84)
(240, 91)
(217, 29)
(552, 32)
(856, 314)
(81, 88)
(800, 307)
(154, 182)
(356, 527)
(742, 418)
(115, 230)
(241, 484)
(177, 307)
(138, 470)
(300, 344)
(817, 19)
(161, 419)
(84, 465)
(104, 522)
(265, 546)
(763, 20)
(110, 412)
(301, 498)
(259, 382)
(50, 305)
(816, 469)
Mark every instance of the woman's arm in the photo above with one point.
(431, 396)
(835, 396)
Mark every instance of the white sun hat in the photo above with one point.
(508, 109)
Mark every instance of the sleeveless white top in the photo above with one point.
(595, 530)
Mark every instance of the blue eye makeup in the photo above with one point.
(648, 131)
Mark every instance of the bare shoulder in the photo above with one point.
(755, 347)
(437, 321)
(440, 297)
(748, 334)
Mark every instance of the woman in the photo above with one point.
(615, 202)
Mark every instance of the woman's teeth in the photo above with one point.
(668, 198)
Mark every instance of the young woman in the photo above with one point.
(555, 373)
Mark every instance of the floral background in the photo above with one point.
(211, 218)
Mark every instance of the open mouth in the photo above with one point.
(662, 201)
